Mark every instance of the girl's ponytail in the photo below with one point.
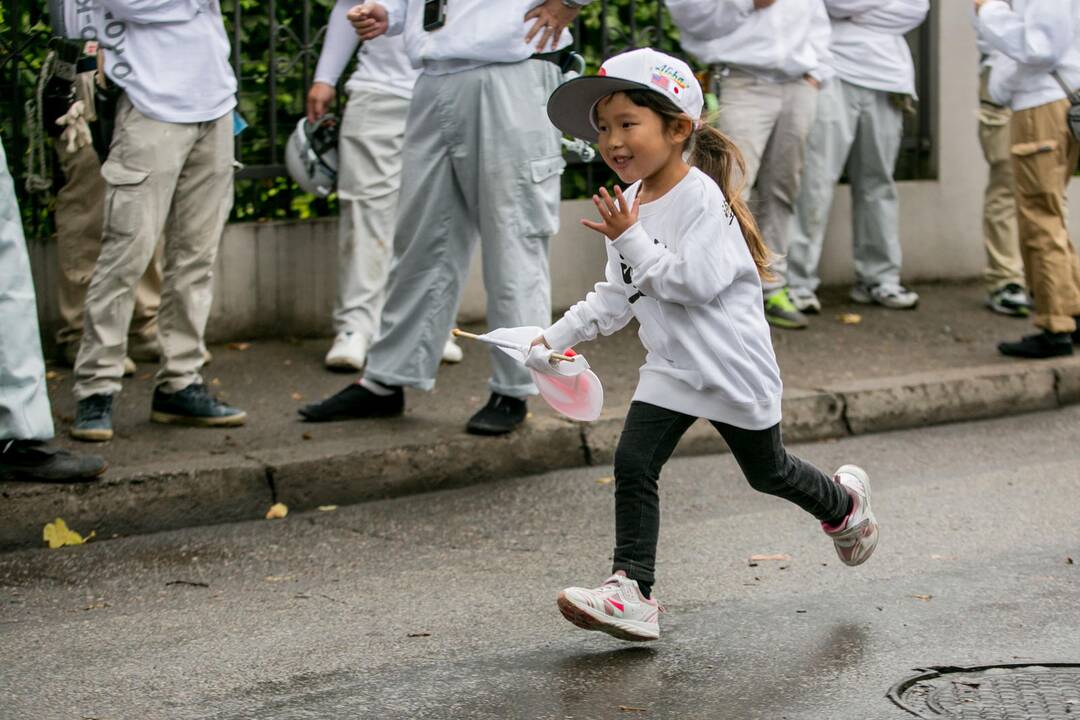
(717, 156)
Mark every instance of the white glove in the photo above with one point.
(540, 360)
(76, 134)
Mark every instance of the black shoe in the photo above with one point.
(38, 461)
(193, 406)
(93, 419)
(356, 401)
(501, 415)
(1076, 332)
(1043, 345)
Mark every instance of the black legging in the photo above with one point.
(650, 435)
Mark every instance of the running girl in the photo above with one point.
(685, 258)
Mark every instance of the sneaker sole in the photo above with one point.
(91, 435)
(170, 419)
(589, 619)
(864, 300)
(862, 475)
(1008, 311)
(342, 365)
(785, 324)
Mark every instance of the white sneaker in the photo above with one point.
(617, 608)
(804, 300)
(857, 535)
(894, 297)
(348, 352)
(451, 352)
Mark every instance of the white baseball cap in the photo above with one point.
(572, 107)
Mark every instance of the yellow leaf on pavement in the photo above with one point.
(277, 511)
(924, 598)
(57, 534)
(327, 508)
(850, 318)
(241, 346)
(604, 480)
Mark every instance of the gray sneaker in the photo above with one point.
(1010, 300)
(894, 297)
(194, 406)
(93, 419)
(804, 300)
(781, 312)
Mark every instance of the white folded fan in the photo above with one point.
(567, 385)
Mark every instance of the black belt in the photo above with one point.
(564, 59)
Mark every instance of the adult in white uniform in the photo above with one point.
(170, 169)
(768, 59)
(370, 138)
(26, 423)
(1039, 39)
(859, 125)
(481, 162)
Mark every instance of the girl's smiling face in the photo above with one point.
(635, 141)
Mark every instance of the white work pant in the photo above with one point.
(769, 122)
(24, 402)
(481, 162)
(861, 129)
(175, 178)
(369, 175)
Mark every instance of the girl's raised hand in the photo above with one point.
(616, 214)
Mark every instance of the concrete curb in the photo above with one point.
(233, 487)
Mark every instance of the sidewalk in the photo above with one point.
(891, 370)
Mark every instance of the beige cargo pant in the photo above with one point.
(175, 178)
(1044, 155)
(1004, 264)
(80, 209)
(770, 123)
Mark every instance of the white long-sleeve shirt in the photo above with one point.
(685, 273)
(382, 64)
(476, 33)
(1034, 38)
(171, 57)
(868, 46)
(782, 42)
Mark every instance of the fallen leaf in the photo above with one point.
(241, 346)
(765, 558)
(277, 511)
(278, 578)
(57, 534)
(631, 708)
(924, 598)
(849, 318)
(288, 362)
(297, 396)
(419, 634)
(605, 480)
(97, 605)
(216, 382)
(191, 583)
(52, 375)
(327, 508)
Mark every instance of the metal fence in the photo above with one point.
(275, 48)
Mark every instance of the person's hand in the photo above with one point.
(319, 98)
(370, 20)
(76, 133)
(979, 4)
(552, 17)
(539, 340)
(617, 214)
(812, 81)
(762, 4)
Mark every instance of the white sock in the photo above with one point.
(375, 388)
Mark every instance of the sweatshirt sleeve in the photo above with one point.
(340, 45)
(820, 38)
(693, 276)
(1038, 38)
(710, 18)
(398, 10)
(146, 12)
(604, 311)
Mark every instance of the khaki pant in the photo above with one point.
(770, 123)
(1004, 264)
(175, 178)
(1044, 155)
(80, 207)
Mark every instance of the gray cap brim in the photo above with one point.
(570, 107)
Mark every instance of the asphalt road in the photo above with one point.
(442, 605)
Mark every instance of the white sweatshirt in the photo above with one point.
(171, 57)
(782, 42)
(685, 273)
(1034, 37)
(382, 64)
(868, 46)
(476, 33)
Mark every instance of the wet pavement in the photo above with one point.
(442, 605)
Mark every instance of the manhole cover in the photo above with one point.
(1050, 691)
